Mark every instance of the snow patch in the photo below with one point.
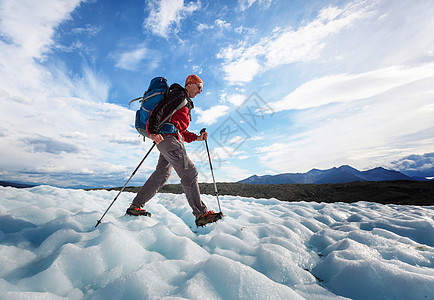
(262, 249)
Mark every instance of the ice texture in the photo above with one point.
(262, 249)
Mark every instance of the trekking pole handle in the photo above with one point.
(203, 130)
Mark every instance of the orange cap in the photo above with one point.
(193, 79)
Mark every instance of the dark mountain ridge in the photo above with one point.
(19, 185)
(401, 192)
(342, 174)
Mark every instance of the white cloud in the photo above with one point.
(31, 27)
(221, 157)
(203, 27)
(365, 133)
(245, 31)
(229, 172)
(415, 162)
(223, 24)
(285, 46)
(345, 87)
(129, 60)
(92, 86)
(416, 165)
(165, 16)
(67, 134)
(241, 70)
(236, 140)
(197, 69)
(52, 121)
(30, 24)
(235, 99)
(88, 29)
(373, 106)
(211, 115)
(245, 4)
(219, 28)
(27, 28)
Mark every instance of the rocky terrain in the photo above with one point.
(384, 192)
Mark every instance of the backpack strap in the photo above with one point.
(181, 105)
(147, 97)
(152, 95)
(135, 100)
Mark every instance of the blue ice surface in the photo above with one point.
(262, 249)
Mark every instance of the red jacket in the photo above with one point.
(181, 120)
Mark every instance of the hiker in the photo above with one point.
(172, 152)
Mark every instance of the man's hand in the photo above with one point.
(203, 136)
(157, 138)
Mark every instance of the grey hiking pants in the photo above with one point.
(172, 156)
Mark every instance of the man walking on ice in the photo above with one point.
(172, 151)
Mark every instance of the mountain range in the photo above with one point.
(342, 174)
(19, 185)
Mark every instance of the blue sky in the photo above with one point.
(288, 85)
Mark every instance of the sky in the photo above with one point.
(288, 86)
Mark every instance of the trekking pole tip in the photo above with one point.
(97, 223)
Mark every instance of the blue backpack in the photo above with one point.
(156, 92)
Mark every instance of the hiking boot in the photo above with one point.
(134, 210)
(208, 217)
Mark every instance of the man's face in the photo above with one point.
(194, 89)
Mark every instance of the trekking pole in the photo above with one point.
(212, 172)
(99, 221)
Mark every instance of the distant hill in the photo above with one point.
(343, 174)
(402, 192)
(16, 184)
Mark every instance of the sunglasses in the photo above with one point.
(199, 87)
